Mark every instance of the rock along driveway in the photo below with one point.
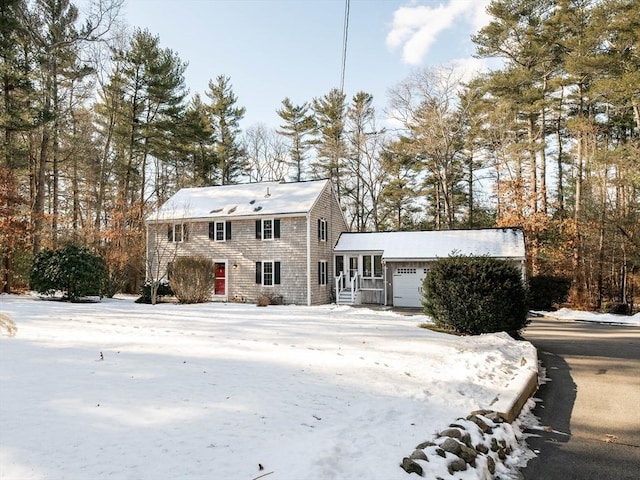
(590, 403)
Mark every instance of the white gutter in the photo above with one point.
(146, 256)
(384, 271)
(309, 259)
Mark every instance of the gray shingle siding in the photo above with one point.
(243, 250)
(327, 208)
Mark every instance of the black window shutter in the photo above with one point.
(258, 229)
(276, 228)
(258, 272)
(319, 273)
(212, 230)
(227, 231)
(276, 273)
(319, 227)
(170, 233)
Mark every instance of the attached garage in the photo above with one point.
(405, 257)
(407, 286)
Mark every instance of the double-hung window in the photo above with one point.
(322, 272)
(268, 273)
(322, 230)
(268, 228)
(220, 231)
(372, 266)
(176, 232)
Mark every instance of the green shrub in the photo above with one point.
(547, 290)
(474, 295)
(192, 279)
(616, 308)
(163, 290)
(75, 271)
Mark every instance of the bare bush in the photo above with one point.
(7, 325)
(192, 279)
(268, 298)
(263, 301)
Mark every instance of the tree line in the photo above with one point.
(98, 129)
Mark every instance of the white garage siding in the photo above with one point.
(407, 286)
(406, 255)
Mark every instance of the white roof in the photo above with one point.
(225, 201)
(396, 246)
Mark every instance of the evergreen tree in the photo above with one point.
(141, 116)
(225, 119)
(398, 195)
(330, 112)
(55, 38)
(362, 145)
(298, 125)
(197, 145)
(16, 112)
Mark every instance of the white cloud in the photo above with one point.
(468, 68)
(416, 28)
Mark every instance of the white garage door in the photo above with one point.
(407, 286)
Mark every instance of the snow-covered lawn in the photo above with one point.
(125, 391)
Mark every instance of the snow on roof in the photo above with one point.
(395, 246)
(267, 198)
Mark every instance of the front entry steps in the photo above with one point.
(344, 297)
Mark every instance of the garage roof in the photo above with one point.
(426, 245)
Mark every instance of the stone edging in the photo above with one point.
(472, 442)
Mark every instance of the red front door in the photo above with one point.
(221, 279)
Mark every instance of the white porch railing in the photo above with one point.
(339, 288)
(354, 286)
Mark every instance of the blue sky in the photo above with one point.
(272, 49)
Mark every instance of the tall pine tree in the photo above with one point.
(225, 119)
(298, 125)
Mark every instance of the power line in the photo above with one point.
(344, 43)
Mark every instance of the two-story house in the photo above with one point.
(275, 238)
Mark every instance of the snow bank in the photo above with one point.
(567, 314)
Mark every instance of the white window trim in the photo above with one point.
(273, 273)
(324, 272)
(324, 227)
(174, 228)
(273, 222)
(373, 267)
(215, 231)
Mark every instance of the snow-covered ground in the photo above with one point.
(117, 390)
(567, 314)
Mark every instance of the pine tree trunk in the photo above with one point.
(559, 141)
(533, 168)
(578, 270)
(543, 162)
(37, 211)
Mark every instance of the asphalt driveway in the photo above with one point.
(590, 404)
